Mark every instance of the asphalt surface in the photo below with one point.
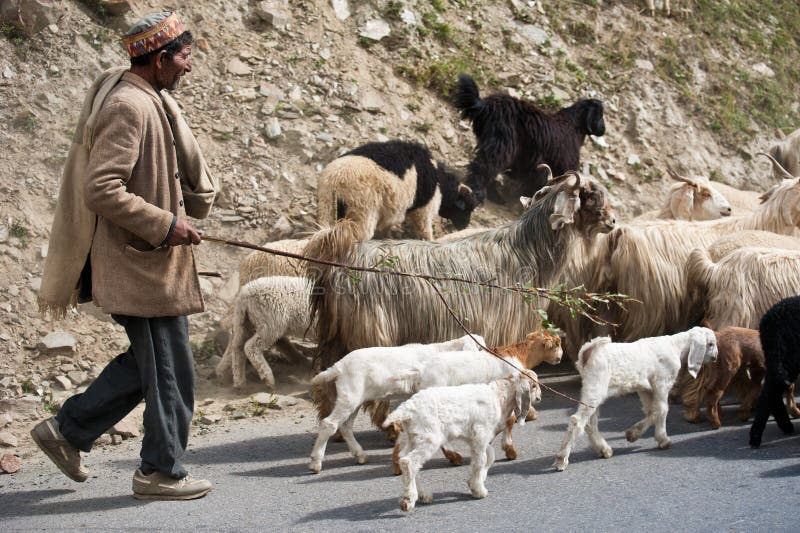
(708, 481)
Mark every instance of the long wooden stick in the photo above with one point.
(430, 279)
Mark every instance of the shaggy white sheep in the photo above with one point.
(265, 310)
(647, 367)
(473, 413)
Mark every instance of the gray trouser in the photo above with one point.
(159, 368)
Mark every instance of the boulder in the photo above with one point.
(10, 464)
(28, 16)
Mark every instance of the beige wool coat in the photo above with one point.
(133, 185)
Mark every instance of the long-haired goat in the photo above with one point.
(780, 338)
(787, 152)
(691, 199)
(387, 310)
(379, 185)
(648, 367)
(740, 362)
(647, 262)
(751, 239)
(514, 136)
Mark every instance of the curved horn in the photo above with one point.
(546, 167)
(777, 166)
(677, 177)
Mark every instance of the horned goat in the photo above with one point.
(647, 262)
(514, 136)
(787, 152)
(779, 330)
(385, 310)
(648, 367)
(473, 413)
(691, 199)
(379, 185)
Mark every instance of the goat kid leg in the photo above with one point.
(508, 443)
(596, 439)
(713, 398)
(635, 431)
(453, 456)
(410, 465)
(791, 404)
(480, 459)
(327, 427)
(692, 395)
(254, 350)
(350, 439)
(660, 410)
(577, 423)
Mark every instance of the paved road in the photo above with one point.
(708, 481)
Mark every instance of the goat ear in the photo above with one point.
(523, 400)
(526, 201)
(697, 352)
(566, 205)
(463, 189)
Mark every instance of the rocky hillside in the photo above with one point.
(279, 88)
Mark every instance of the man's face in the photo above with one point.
(170, 71)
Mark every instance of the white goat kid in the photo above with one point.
(474, 413)
(648, 367)
(386, 372)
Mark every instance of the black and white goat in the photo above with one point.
(380, 185)
(514, 136)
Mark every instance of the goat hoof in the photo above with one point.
(794, 412)
(561, 464)
(606, 453)
(755, 442)
(631, 435)
(337, 437)
(406, 505)
(315, 466)
(744, 416)
(716, 424)
(788, 429)
(511, 452)
(664, 444)
(425, 497)
(361, 458)
(454, 457)
(478, 492)
(693, 417)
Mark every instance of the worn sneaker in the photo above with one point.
(159, 486)
(65, 456)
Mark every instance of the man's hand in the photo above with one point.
(183, 233)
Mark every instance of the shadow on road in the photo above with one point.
(34, 503)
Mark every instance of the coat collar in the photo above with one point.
(142, 84)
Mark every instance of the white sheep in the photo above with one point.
(648, 367)
(474, 413)
(265, 310)
(380, 185)
(384, 372)
(691, 199)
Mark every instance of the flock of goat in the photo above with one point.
(714, 276)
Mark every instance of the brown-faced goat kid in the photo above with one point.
(740, 361)
(539, 347)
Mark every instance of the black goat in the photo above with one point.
(514, 137)
(779, 330)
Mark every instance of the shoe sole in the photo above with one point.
(55, 459)
(193, 496)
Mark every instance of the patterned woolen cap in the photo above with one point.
(151, 32)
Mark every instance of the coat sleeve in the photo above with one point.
(113, 156)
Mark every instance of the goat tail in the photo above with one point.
(325, 376)
(397, 418)
(467, 97)
(587, 349)
(323, 391)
